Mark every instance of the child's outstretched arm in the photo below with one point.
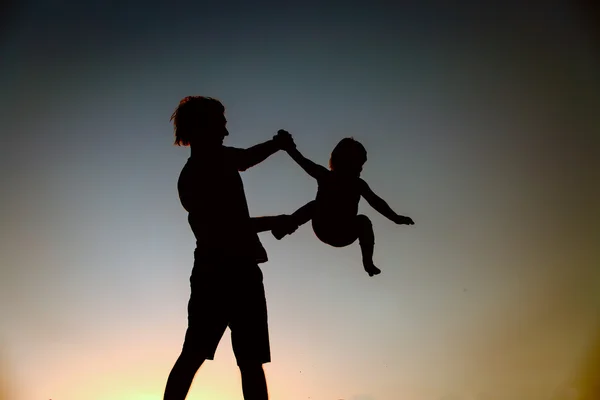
(382, 207)
(246, 158)
(313, 169)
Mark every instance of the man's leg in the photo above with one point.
(300, 217)
(181, 376)
(207, 321)
(250, 331)
(254, 383)
(366, 240)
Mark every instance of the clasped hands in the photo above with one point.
(284, 140)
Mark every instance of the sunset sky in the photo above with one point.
(481, 123)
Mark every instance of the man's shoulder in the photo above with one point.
(192, 169)
(231, 149)
(186, 167)
(361, 184)
(229, 153)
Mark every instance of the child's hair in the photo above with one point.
(189, 114)
(347, 153)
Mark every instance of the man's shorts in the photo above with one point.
(228, 293)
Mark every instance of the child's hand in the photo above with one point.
(402, 220)
(284, 140)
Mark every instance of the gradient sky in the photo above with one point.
(481, 123)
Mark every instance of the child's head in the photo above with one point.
(199, 119)
(348, 156)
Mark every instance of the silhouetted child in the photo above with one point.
(226, 283)
(334, 211)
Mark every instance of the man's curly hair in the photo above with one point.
(191, 113)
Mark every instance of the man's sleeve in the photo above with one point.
(237, 157)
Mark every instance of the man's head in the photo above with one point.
(348, 157)
(199, 120)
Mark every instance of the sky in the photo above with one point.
(481, 123)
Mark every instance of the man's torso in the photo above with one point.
(211, 190)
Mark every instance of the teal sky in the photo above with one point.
(481, 123)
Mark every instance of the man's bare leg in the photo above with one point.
(254, 382)
(181, 376)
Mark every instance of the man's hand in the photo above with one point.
(284, 225)
(284, 140)
(402, 220)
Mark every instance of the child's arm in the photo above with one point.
(313, 169)
(246, 158)
(381, 206)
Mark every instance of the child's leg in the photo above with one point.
(366, 240)
(304, 213)
(300, 217)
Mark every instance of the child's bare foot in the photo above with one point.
(371, 268)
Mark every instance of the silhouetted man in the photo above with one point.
(226, 282)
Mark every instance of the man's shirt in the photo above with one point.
(211, 190)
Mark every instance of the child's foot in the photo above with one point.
(371, 268)
(285, 229)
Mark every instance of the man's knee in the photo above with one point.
(250, 367)
(191, 359)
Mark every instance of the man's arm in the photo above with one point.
(381, 206)
(246, 158)
(268, 223)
